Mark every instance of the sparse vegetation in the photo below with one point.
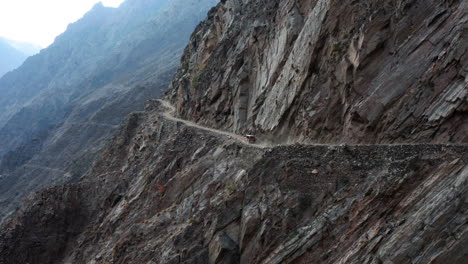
(201, 67)
(231, 187)
(185, 66)
(196, 76)
(195, 82)
(338, 48)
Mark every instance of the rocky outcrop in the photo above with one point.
(59, 110)
(165, 192)
(168, 190)
(330, 71)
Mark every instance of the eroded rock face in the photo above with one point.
(167, 192)
(330, 71)
(164, 192)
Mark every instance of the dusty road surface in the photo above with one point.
(169, 114)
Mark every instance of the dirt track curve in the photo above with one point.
(171, 110)
(169, 115)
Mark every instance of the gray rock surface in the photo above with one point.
(223, 201)
(167, 190)
(330, 71)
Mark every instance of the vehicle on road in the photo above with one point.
(251, 139)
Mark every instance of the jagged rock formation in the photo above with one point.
(330, 71)
(168, 192)
(60, 108)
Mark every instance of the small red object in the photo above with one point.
(160, 187)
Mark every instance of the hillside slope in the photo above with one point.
(179, 187)
(59, 109)
(164, 192)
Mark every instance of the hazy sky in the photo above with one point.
(40, 21)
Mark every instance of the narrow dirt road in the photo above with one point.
(169, 114)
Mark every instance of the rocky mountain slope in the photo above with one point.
(183, 189)
(59, 109)
(165, 192)
(327, 71)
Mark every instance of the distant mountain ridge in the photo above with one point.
(59, 108)
(14, 53)
(26, 48)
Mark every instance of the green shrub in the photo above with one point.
(185, 65)
(231, 187)
(196, 82)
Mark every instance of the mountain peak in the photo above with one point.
(98, 5)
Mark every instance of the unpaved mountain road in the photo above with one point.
(171, 110)
(169, 114)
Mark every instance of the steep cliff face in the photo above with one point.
(168, 190)
(330, 71)
(60, 108)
